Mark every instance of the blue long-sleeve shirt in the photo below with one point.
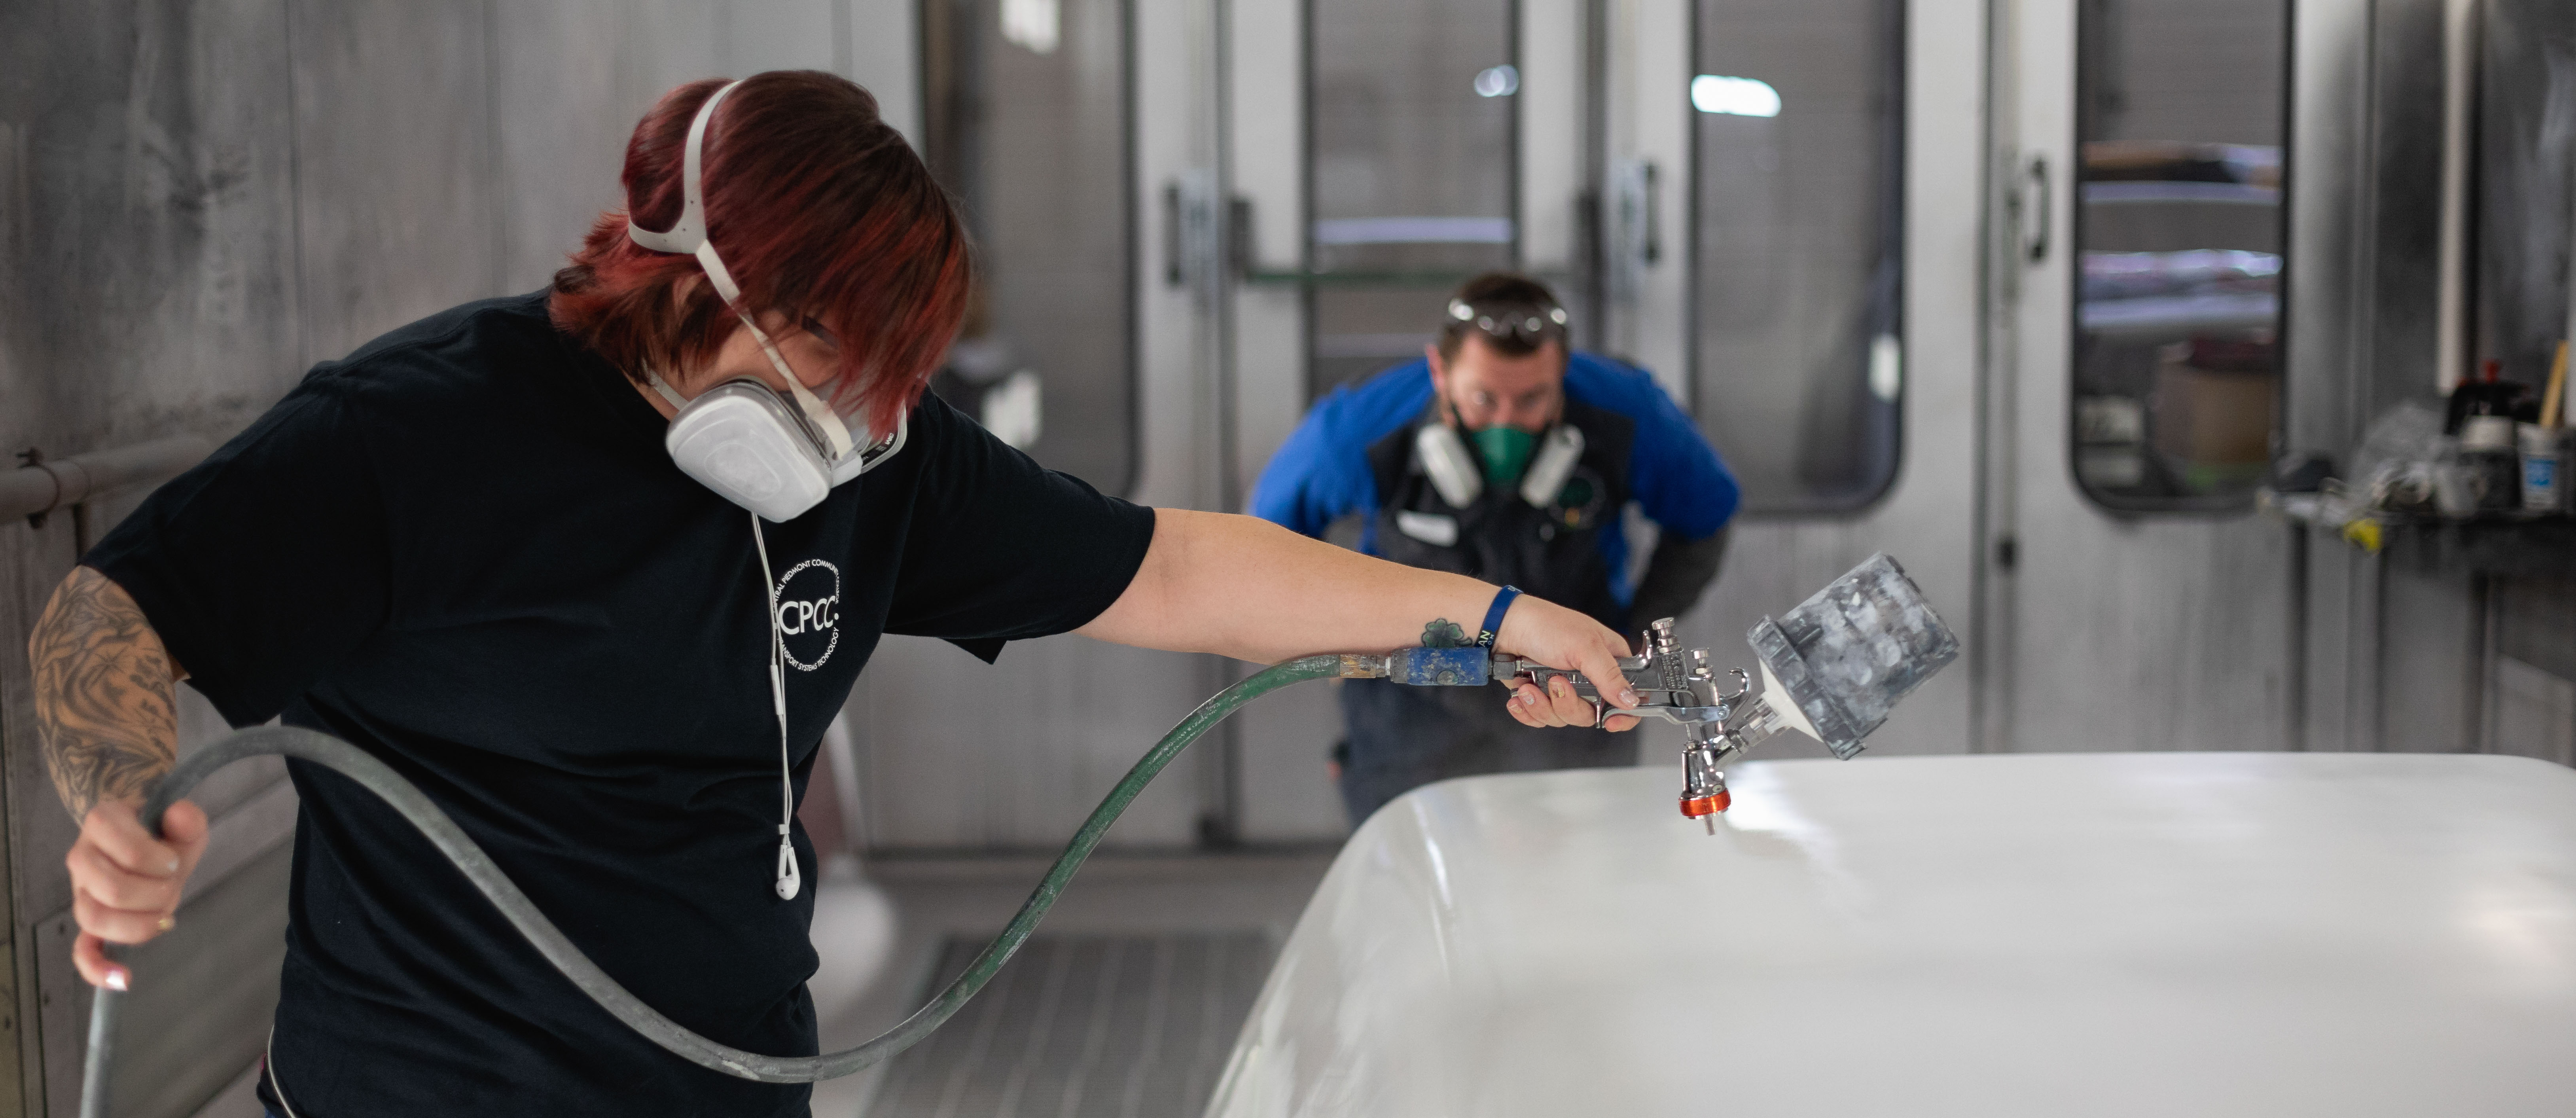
(1322, 472)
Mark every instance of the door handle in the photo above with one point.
(1173, 274)
(1238, 237)
(1651, 248)
(2038, 216)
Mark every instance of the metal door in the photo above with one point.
(2104, 624)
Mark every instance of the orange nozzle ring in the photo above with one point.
(1695, 806)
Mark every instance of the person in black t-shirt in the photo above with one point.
(505, 550)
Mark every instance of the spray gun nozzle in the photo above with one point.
(1704, 792)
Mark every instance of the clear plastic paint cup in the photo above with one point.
(2544, 458)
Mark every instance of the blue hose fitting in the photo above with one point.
(1440, 667)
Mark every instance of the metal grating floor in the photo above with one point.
(1107, 1026)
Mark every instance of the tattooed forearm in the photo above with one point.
(105, 711)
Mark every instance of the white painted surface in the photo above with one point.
(2138, 934)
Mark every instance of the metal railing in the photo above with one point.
(44, 485)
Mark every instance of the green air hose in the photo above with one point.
(1463, 666)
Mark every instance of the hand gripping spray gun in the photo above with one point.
(1831, 668)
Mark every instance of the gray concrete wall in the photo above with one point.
(199, 200)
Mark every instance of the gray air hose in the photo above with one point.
(1458, 666)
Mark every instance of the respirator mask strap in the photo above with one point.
(689, 235)
(654, 377)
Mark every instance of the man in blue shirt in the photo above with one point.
(1506, 456)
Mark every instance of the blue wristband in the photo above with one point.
(1494, 616)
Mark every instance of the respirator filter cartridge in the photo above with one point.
(739, 440)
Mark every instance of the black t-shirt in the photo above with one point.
(464, 549)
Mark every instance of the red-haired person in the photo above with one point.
(543, 554)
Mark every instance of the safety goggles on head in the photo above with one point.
(741, 438)
(1523, 323)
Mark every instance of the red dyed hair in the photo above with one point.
(819, 209)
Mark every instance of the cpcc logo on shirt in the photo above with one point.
(809, 613)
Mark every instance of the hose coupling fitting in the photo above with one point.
(1469, 666)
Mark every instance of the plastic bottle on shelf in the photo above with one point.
(2544, 447)
(2487, 447)
(2543, 469)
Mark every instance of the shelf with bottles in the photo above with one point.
(2475, 483)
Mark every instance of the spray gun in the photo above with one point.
(1676, 686)
(1831, 669)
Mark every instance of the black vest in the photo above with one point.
(1552, 552)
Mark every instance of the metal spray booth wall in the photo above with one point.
(198, 202)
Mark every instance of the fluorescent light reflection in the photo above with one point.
(1035, 24)
(1886, 368)
(1714, 93)
(1413, 231)
(1498, 81)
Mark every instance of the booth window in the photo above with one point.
(2178, 263)
(1027, 108)
(1413, 173)
(1797, 357)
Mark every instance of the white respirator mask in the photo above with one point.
(741, 438)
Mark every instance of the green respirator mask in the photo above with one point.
(1506, 453)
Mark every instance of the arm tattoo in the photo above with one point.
(105, 710)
